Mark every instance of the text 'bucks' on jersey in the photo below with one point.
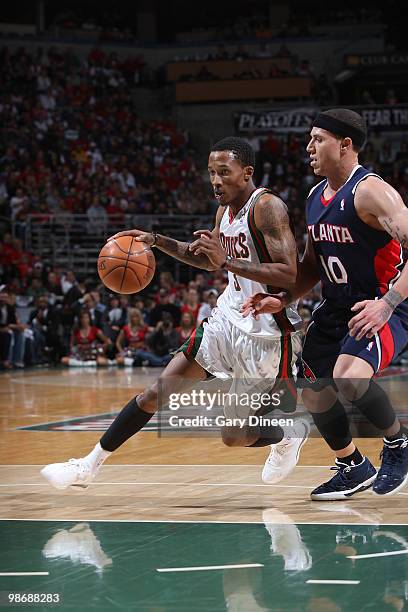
(241, 239)
(356, 262)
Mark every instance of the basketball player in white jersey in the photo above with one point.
(253, 241)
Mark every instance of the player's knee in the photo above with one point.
(352, 388)
(348, 385)
(311, 400)
(147, 400)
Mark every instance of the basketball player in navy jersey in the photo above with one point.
(357, 225)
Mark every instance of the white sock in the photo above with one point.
(96, 457)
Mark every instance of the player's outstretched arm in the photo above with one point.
(261, 303)
(307, 274)
(380, 206)
(177, 249)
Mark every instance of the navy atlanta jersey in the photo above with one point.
(356, 262)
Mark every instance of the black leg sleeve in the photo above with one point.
(129, 421)
(376, 407)
(333, 426)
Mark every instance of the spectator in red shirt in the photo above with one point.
(187, 326)
(88, 344)
(131, 338)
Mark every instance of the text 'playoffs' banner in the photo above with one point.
(300, 119)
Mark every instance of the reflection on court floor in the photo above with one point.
(274, 565)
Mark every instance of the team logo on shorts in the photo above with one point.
(308, 373)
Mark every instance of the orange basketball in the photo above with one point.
(126, 265)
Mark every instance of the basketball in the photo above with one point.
(126, 265)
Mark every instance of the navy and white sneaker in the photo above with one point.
(349, 480)
(393, 473)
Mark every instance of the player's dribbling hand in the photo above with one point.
(262, 303)
(372, 316)
(208, 244)
(139, 235)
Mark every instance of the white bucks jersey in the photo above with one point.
(241, 239)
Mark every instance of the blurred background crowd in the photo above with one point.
(94, 139)
(72, 320)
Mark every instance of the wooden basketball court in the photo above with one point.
(178, 523)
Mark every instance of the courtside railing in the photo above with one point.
(74, 241)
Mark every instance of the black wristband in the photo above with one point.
(154, 234)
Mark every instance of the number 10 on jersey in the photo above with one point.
(335, 271)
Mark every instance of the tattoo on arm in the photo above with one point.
(393, 298)
(273, 221)
(179, 250)
(386, 312)
(395, 230)
(267, 274)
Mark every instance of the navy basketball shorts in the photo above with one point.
(323, 345)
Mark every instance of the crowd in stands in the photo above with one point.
(301, 22)
(253, 26)
(73, 321)
(242, 52)
(106, 26)
(71, 142)
(222, 53)
(115, 23)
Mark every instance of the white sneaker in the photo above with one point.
(285, 454)
(74, 473)
(79, 544)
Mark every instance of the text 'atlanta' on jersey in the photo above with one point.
(356, 262)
